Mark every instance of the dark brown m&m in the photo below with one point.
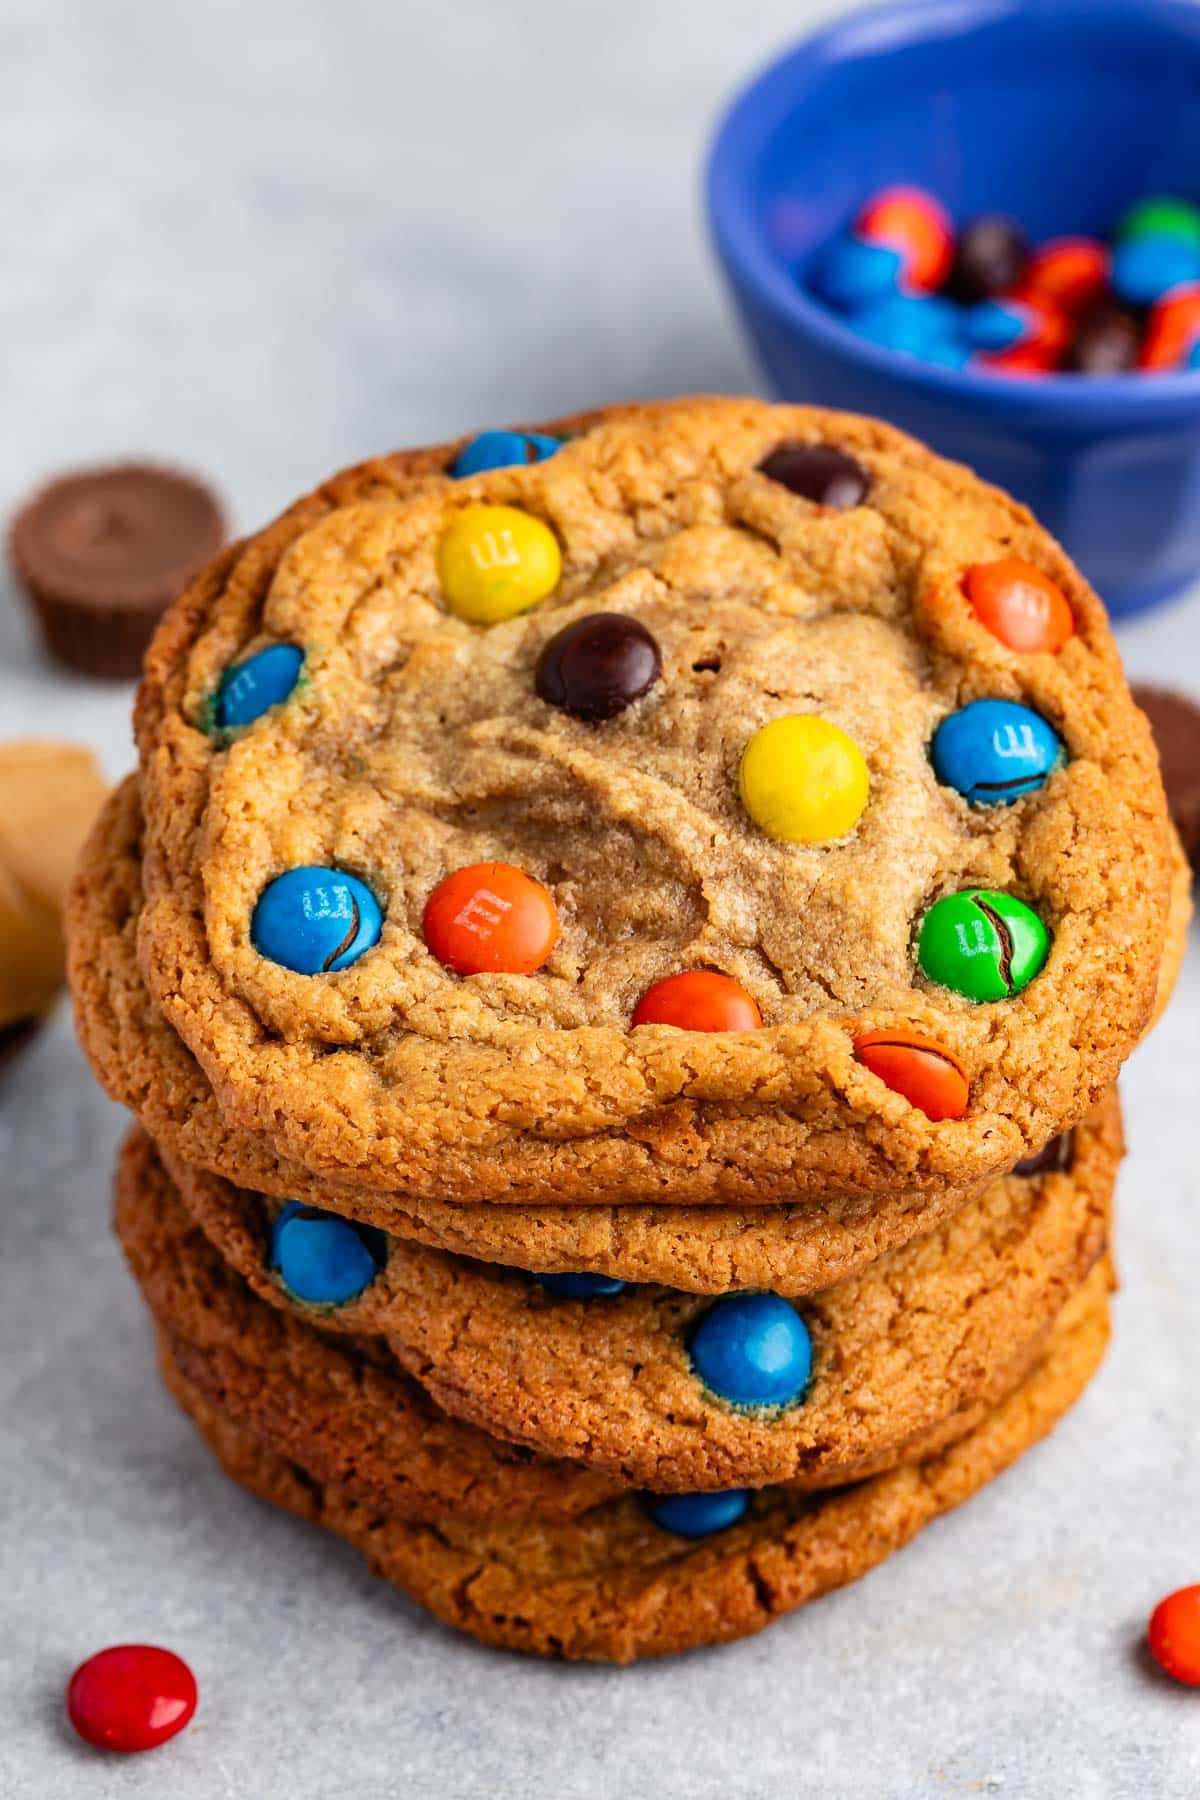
(1106, 342)
(1054, 1158)
(598, 666)
(818, 472)
(989, 259)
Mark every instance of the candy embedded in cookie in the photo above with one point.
(598, 666)
(323, 1258)
(993, 751)
(1054, 1158)
(496, 561)
(698, 1515)
(491, 919)
(818, 472)
(803, 780)
(580, 1286)
(923, 1071)
(982, 944)
(1019, 605)
(752, 1349)
(503, 450)
(699, 1000)
(315, 920)
(249, 689)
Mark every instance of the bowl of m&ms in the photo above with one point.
(980, 219)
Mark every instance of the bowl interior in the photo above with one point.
(1060, 112)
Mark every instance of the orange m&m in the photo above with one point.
(1019, 605)
(1174, 1635)
(1173, 328)
(1067, 272)
(491, 919)
(917, 1067)
(912, 222)
(699, 1000)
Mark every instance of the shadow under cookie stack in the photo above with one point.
(620, 945)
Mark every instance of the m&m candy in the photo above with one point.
(993, 751)
(916, 323)
(1019, 605)
(503, 450)
(911, 221)
(596, 667)
(1174, 1635)
(982, 944)
(250, 688)
(698, 1000)
(803, 780)
(580, 1286)
(315, 920)
(491, 918)
(998, 324)
(818, 472)
(494, 562)
(1067, 274)
(131, 1697)
(920, 1069)
(1054, 1157)
(698, 1515)
(1145, 268)
(752, 1349)
(1173, 330)
(1106, 341)
(989, 258)
(851, 273)
(323, 1258)
(1161, 216)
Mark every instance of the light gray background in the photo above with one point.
(266, 238)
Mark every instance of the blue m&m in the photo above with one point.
(851, 273)
(1144, 268)
(698, 1515)
(753, 1349)
(315, 920)
(995, 324)
(250, 688)
(580, 1287)
(993, 751)
(323, 1258)
(503, 449)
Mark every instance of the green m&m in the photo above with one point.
(1161, 216)
(982, 944)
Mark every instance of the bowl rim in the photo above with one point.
(758, 108)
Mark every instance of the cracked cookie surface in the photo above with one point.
(416, 743)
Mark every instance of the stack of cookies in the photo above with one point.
(620, 945)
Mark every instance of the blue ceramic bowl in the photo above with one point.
(1060, 112)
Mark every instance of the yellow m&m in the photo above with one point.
(802, 780)
(495, 561)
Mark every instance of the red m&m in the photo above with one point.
(491, 918)
(919, 1068)
(1174, 1635)
(131, 1697)
(699, 1000)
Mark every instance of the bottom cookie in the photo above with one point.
(612, 1586)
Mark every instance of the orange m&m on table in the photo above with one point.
(919, 1068)
(698, 1000)
(491, 919)
(1019, 605)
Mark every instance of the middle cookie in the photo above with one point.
(670, 1390)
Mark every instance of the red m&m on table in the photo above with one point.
(131, 1697)
(1174, 1635)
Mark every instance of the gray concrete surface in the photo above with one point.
(264, 239)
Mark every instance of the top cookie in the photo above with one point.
(529, 744)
